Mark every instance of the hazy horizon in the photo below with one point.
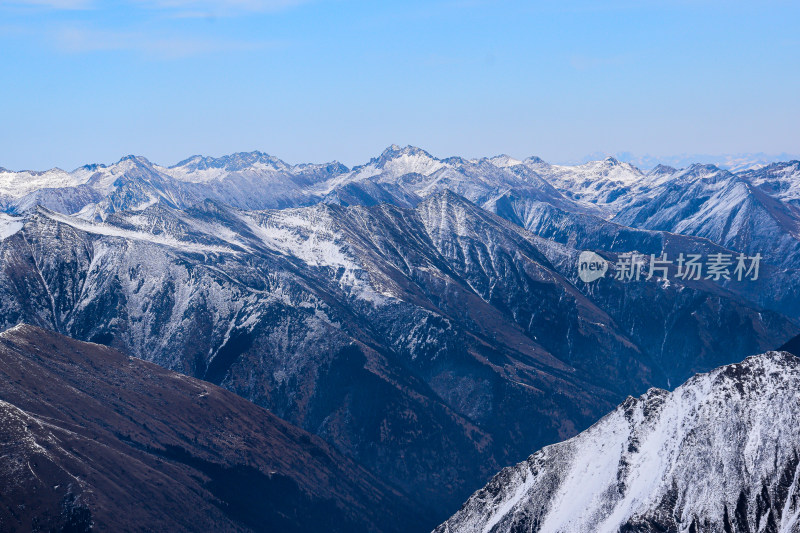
(644, 162)
(334, 79)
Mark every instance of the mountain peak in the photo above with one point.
(707, 167)
(236, 161)
(648, 465)
(399, 161)
(504, 160)
(136, 159)
(22, 328)
(447, 196)
(662, 170)
(535, 160)
(705, 171)
(395, 151)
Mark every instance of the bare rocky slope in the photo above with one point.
(423, 315)
(415, 340)
(91, 439)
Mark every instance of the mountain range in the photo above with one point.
(424, 316)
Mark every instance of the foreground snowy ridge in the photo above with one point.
(719, 454)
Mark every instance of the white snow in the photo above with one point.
(785, 181)
(18, 184)
(9, 226)
(503, 161)
(114, 231)
(311, 236)
(712, 438)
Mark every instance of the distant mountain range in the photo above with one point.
(256, 180)
(732, 162)
(423, 316)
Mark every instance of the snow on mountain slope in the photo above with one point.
(149, 236)
(9, 225)
(395, 162)
(718, 454)
(18, 184)
(503, 161)
(709, 202)
(413, 340)
(313, 236)
(255, 180)
(403, 175)
(251, 180)
(608, 184)
(200, 169)
(781, 180)
(348, 322)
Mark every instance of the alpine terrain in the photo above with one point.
(91, 439)
(424, 316)
(717, 454)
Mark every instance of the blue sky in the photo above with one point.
(89, 81)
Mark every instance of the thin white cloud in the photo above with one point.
(83, 40)
(53, 4)
(187, 8)
(219, 7)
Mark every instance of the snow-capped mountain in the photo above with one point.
(319, 312)
(445, 311)
(410, 311)
(257, 181)
(404, 176)
(248, 180)
(522, 189)
(729, 210)
(781, 180)
(718, 454)
(608, 184)
(732, 162)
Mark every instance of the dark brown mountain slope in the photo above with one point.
(93, 439)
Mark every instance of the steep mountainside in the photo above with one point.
(708, 202)
(417, 356)
(719, 454)
(93, 440)
(608, 184)
(781, 180)
(248, 180)
(255, 180)
(385, 308)
(659, 316)
(404, 174)
(414, 340)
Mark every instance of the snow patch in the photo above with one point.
(9, 226)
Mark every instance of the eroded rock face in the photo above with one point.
(432, 344)
(91, 439)
(413, 340)
(720, 454)
(393, 314)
